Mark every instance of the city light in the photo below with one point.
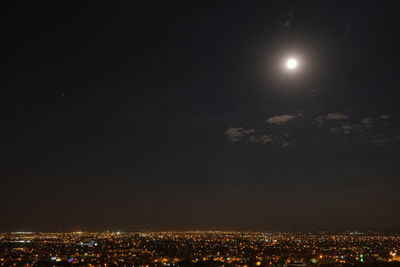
(204, 248)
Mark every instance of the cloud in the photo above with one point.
(282, 118)
(280, 139)
(336, 116)
(367, 121)
(345, 128)
(319, 120)
(373, 129)
(285, 144)
(235, 134)
(381, 140)
(384, 117)
(263, 139)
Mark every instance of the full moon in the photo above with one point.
(291, 64)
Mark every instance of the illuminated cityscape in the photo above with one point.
(198, 248)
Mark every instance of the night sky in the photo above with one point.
(180, 115)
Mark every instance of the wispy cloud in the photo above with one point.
(373, 129)
(282, 140)
(319, 120)
(336, 116)
(285, 144)
(384, 117)
(344, 128)
(367, 121)
(282, 118)
(235, 134)
(263, 139)
(381, 140)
